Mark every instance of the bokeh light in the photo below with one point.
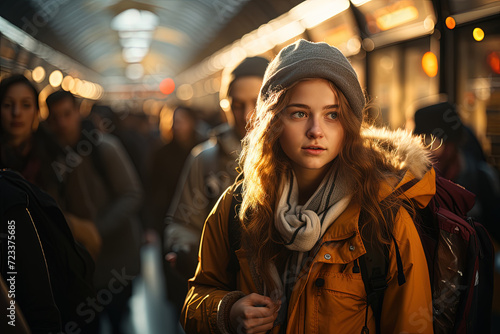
(77, 86)
(167, 86)
(185, 92)
(450, 22)
(478, 34)
(430, 64)
(68, 83)
(55, 78)
(38, 74)
(134, 71)
(494, 61)
(224, 104)
(27, 74)
(368, 44)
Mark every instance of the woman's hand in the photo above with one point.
(253, 313)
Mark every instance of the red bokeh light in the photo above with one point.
(167, 86)
(494, 61)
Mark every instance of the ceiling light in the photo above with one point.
(135, 20)
(134, 71)
(55, 78)
(38, 74)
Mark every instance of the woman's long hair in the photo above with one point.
(263, 163)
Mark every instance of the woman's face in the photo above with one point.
(312, 133)
(18, 111)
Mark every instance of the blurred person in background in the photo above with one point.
(458, 157)
(166, 166)
(54, 272)
(24, 145)
(100, 187)
(209, 170)
(133, 131)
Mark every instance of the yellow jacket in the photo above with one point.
(338, 303)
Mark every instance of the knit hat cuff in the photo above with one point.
(309, 68)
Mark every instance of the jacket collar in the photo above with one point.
(346, 224)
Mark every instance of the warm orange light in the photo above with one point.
(494, 61)
(38, 74)
(396, 18)
(430, 64)
(55, 78)
(68, 83)
(450, 22)
(478, 34)
(167, 86)
(224, 104)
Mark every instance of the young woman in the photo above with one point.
(318, 187)
(24, 146)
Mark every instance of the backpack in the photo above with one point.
(55, 270)
(459, 255)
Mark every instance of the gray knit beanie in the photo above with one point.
(303, 59)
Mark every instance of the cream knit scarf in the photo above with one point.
(301, 226)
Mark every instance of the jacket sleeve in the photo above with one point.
(189, 209)
(407, 308)
(126, 189)
(212, 289)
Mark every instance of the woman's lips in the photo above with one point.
(313, 150)
(16, 124)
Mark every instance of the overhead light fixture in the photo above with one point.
(38, 74)
(313, 13)
(134, 71)
(134, 55)
(135, 20)
(135, 29)
(358, 3)
(389, 19)
(55, 78)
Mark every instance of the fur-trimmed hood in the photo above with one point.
(406, 152)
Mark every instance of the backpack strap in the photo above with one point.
(374, 266)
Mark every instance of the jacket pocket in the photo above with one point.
(339, 302)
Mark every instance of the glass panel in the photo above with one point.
(385, 83)
(478, 85)
(398, 82)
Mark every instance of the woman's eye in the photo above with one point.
(333, 115)
(27, 105)
(298, 114)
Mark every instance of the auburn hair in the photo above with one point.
(263, 163)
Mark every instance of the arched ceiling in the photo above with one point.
(187, 31)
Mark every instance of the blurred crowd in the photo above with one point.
(120, 185)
